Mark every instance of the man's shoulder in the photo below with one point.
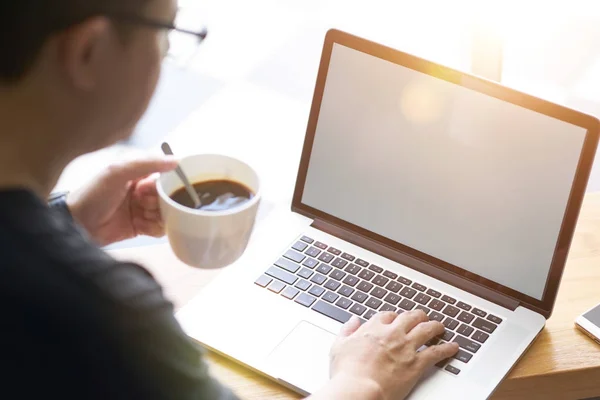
(52, 259)
(83, 273)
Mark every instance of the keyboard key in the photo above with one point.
(378, 292)
(422, 298)
(290, 292)
(484, 325)
(348, 257)
(390, 274)
(313, 252)
(392, 298)
(362, 263)
(393, 286)
(463, 356)
(436, 316)
(365, 286)
(343, 303)
(339, 263)
(307, 239)
(358, 309)
(464, 306)
(447, 335)
(351, 280)
(321, 246)
(479, 312)
(282, 275)
(305, 299)
(346, 291)
(352, 269)
(404, 280)
(387, 307)
(263, 281)
(335, 251)
(330, 297)
(408, 292)
(359, 296)
(332, 285)
(369, 314)
(407, 304)
(294, 256)
(300, 246)
(276, 286)
(450, 323)
(452, 370)
(305, 273)
(310, 263)
(425, 309)
(325, 257)
(480, 336)
(373, 303)
(338, 275)
(318, 279)
(434, 293)
(324, 268)
(494, 319)
(451, 311)
(375, 268)
(437, 305)
(316, 290)
(419, 287)
(448, 299)
(466, 317)
(332, 312)
(467, 344)
(287, 265)
(380, 280)
(366, 274)
(442, 363)
(302, 285)
(465, 330)
(434, 342)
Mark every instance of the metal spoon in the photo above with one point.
(167, 150)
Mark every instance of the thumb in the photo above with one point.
(350, 327)
(136, 169)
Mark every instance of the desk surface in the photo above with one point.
(561, 364)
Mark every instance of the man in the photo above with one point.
(76, 76)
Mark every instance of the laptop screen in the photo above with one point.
(466, 178)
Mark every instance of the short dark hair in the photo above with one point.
(27, 24)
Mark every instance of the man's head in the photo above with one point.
(77, 64)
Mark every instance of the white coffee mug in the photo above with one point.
(209, 239)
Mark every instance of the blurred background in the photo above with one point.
(264, 54)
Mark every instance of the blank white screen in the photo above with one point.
(469, 179)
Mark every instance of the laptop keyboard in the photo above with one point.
(339, 285)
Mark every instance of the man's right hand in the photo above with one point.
(382, 353)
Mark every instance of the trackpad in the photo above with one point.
(302, 358)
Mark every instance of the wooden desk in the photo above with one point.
(562, 363)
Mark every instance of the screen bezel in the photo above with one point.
(591, 124)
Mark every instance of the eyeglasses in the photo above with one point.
(181, 43)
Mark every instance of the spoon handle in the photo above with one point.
(167, 150)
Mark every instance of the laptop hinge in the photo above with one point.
(417, 264)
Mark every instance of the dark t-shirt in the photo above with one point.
(77, 324)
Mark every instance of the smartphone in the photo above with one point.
(589, 323)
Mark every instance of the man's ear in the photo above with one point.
(84, 51)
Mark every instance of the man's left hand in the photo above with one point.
(122, 202)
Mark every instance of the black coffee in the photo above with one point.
(216, 195)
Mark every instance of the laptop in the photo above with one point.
(419, 187)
